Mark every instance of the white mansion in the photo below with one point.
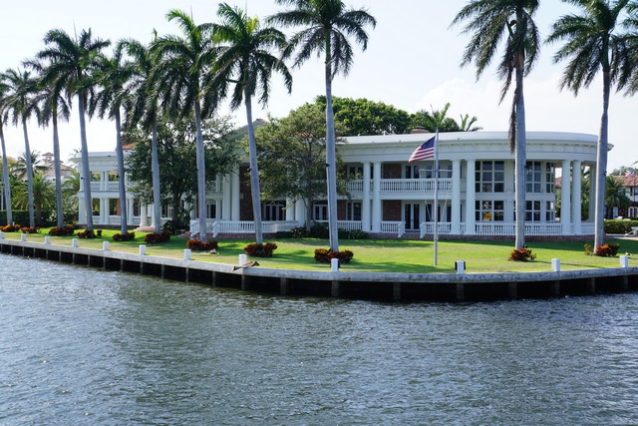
(386, 195)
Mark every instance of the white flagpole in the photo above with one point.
(436, 198)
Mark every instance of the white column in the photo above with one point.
(235, 195)
(300, 212)
(565, 198)
(290, 209)
(592, 193)
(576, 197)
(365, 203)
(129, 210)
(226, 197)
(470, 198)
(143, 221)
(152, 215)
(456, 197)
(104, 211)
(376, 198)
(81, 212)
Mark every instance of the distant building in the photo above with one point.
(49, 169)
(387, 195)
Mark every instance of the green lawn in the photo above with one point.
(378, 255)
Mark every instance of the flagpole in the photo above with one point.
(436, 197)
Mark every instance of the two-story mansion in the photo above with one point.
(386, 195)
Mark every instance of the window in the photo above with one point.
(411, 172)
(95, 205)
(550, 178)
(136, 207)
(96, 176)
(273, 211)
(490, 176)
(114, 206)
(320, 211)
(532, 211)
(113, 176)
(550, 211)
(353, 211)
(354, 171)
(165, 210)
(211, 209)
(490, 211)
(533, 176)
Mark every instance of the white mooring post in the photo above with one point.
(556, 265)
(187, 254)
(47, 240)
(23, 237)
(105, 245)
(74, 243)
(242, 259)
(624, 261)
(334, 265)
(141, 250)
(459, 266)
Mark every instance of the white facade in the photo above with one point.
(388, 195)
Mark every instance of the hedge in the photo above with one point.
(21, 217)
(619, 226)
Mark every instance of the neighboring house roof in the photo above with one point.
(627, 181)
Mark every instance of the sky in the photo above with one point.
(412, 62)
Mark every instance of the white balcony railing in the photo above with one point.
(216, 227)
(393, 228)
(427, 228)
(392, 186)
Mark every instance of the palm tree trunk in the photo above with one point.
(5, 178)
(27, 156)
(119, 152)
(601, 162)
(86, 173)
(520, 160)
(201, 173)
(331, 166)
(157, 203)
(254, 171)
(59, 212)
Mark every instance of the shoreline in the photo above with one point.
(382, 286)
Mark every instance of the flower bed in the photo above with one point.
(326, 255)
(260, 250)
(197, 245)
(157, 238)
(29, 230)
(89, 234)
(522, 255)
(62, 231)
(607, 250)
(128, 236)
(11, 228)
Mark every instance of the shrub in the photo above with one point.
(326, 255)
(197, 245)
(607, 250)
(589, 249)
(354, 234)
(29, 230)
(127, 236)
(88, 234)
(11, 228)
(157, 238)
(62, 231)
(260, 250)
(299, 232)
(319, 230)
(522, 255)
(619, 226)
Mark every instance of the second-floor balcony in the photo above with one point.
(402, 186)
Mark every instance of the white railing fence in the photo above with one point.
(217, 227)
(427, 228)
(393, 228)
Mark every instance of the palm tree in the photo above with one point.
(467, 123)
(144, 108)
(6, 183)
(327, 26)
(184, 66)
(615, 195)
(592, 43)
(112, 77)
(247, 62)
(21, 104)
(70, 64)
(54, 106)
(43, 195)
(489, 22)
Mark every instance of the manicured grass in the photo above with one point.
(378, 255)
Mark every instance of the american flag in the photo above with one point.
(424, 151)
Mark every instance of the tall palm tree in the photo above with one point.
(43, 195)
(327, 24)
(467, 123)
(22, 104)
(593, 43)
(247, 61)
(112, 77)
(54, 105)
(184, 65)
(144, 108)
(490, 22)
(6, 183)
(70, 63)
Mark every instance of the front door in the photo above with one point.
(412, 216)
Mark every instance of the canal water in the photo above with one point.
(79, 346)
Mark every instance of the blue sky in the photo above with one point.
(412, 62)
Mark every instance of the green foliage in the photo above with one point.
(89, 234)
(128, 236)
(365, 117)
(176, 151)
(619, 226)
(19, 216)
(62, 231)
